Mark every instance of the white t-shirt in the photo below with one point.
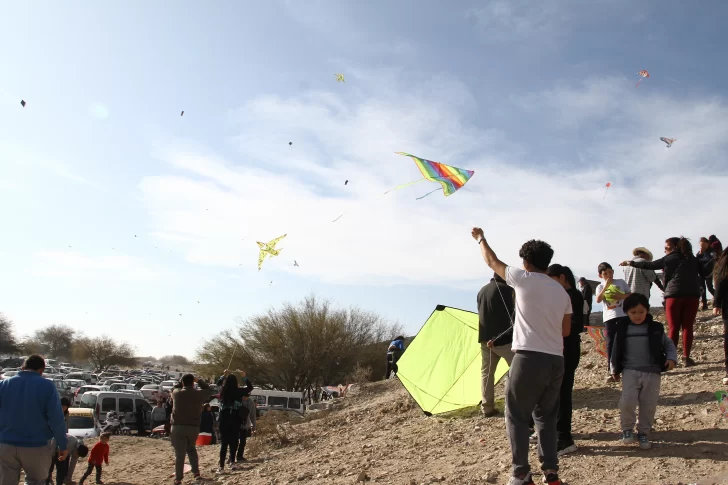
(613, 310)
(541, 304)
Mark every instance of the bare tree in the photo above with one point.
(103, 352)
(8, 342)
(55, 341)
(298, 346)
(175, 360)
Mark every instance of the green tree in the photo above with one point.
(104, 352)
(55, 341)
(180, 360)
(8, 341)
(299, 346)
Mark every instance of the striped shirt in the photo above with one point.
(639, 280)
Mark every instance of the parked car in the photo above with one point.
(168, 385)
(101, 402)
(64, 390)
(9, 374)
(74, 384)
(85, 376)
(82, 423)
(153, 392)
(84, 389)
(119, 385)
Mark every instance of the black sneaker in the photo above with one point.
(689, 362)
(552, 479)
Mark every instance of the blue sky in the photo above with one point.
(539, 100)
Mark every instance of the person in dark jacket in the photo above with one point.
(587, 293)
(706, 257)
(572, 354)
(720, 302)
(394, 353)
(495, 316)
(233, 415)
(207, 422)
(683, 274)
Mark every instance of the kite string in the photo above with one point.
(490, 349)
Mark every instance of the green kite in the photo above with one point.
(441, 367)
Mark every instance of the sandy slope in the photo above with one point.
(379, 432)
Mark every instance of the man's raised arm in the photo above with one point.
(488, 254)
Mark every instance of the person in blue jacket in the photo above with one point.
(394, 352)
(30, 416)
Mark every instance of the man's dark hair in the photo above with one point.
(399, 337)
(188, 380)
(603, 267)
(634, 300)
(34, 362)
(582, 280)
(537, 253)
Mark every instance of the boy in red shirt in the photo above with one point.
(99, 454)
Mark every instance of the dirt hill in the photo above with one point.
(378, 434)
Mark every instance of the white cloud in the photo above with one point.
(507, 20)
(218, 209)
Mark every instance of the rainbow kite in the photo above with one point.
(451, 178)
(599, 335)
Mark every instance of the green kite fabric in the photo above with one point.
(441, 367)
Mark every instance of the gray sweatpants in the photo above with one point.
(184, 442)
(639, 389)
(533, 389)
(34, 461)
(491, 357)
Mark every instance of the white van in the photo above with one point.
(266, 400)
(101, 402)
(84, 389)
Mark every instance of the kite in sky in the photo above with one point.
(644, 75)
(669, 141)
(609, 184)
(346, 183)
(340, 78)
(451, 178)
(295, 263)
(182, 113)
(268, 250)
(22, 103)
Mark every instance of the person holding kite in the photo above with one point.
(542, 319)
(495, 316)
(611, 295)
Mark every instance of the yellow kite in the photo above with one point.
(268, 249)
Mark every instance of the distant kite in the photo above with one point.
(182, 113)
(22, 103)
(451, 178)
(268, 250)
(290, 143)
(295, 263)
(609, 184)
(644, 75)
(669, 141)
(346, 183)
(340, 78)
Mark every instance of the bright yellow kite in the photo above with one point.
(268, 249)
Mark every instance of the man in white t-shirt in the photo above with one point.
(543, 318)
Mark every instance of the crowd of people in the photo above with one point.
(34, 427)
(533, 317)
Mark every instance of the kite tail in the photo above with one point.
(428, 193)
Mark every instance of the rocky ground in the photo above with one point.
(378, 434)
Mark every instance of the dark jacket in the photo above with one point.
(234, 412)
(207, 421)
(495, 308)
(657, 350)
(588, 295)
(577, 309)
(682, 275)
(707, 261)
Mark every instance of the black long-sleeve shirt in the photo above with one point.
(681, 274)
(495, 308)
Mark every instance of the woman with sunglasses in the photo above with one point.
(683, 274)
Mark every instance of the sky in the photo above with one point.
(121, 217)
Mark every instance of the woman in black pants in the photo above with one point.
(233, 415)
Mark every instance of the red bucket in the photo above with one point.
(204, 439)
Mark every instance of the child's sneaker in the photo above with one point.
(527, 480)
(628, 437)
(644, 441)
(552, 478)
(533, 437)
(219, 471)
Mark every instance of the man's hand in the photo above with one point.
(477, 233)
(716, 311)
(226, 372)
(615, 377)
(490, 344)
(625, 263)
(671, 364)
(62, 455)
